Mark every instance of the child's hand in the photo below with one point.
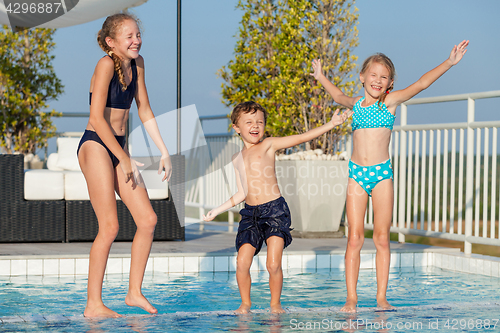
(316, 65)
(339, 119)
(165, 164)
(137, 174)
(210, 216)
(458, 52)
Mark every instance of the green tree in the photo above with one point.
(277, 42)
(27, 83)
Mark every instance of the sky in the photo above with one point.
(416, 35)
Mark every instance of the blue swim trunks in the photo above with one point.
(260, 222)
(369, 176)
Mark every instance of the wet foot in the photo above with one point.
(141, 302)
(277, 308)
(349, 306)
(100, 311)
(384, 305)
(244, 308)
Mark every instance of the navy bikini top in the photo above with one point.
(117, 98)
(373, 116)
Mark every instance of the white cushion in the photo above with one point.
(43, 185)
(66, 150)
(52, 162)
(75, 186)
(157, 190)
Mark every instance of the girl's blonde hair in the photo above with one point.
(385, 61)
(110, 28)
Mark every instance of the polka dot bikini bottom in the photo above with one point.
(369, 176)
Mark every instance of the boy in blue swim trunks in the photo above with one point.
(266, 217)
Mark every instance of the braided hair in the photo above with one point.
(110, 28)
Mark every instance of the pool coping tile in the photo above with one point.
(176, 265)
(67, 266)
(160, 264)
(206, 264)
(293, 261)
(191, 264)
(35, 267)
(221, 264)
(323, 261)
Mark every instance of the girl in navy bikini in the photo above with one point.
(106, 164)
(370, 169)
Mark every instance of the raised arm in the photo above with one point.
(337, 94)
(148, 119)
(293, 140)
(234, 200)
(397, 97)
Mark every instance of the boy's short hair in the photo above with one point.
(247, 107)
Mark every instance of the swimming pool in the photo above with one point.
(427, 299)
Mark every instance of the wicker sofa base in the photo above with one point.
(64, 221)
(81, 222)
(32, 221)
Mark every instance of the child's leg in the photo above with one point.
(275, 246)
(356, 201)
(243, 263)
(99, 174)
(383, 201)
(137, 201)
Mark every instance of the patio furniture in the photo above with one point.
(26, 220)
(81, 221)
(65, 220)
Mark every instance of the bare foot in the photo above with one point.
(349, 306)
(100, 311)
(141, 302)
(276, 308)
(384, 305)
(244, 308)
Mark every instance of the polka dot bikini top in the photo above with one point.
(371, 116)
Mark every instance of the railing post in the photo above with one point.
(402, 174)
(469, 178)
(348, 146)
(230, 217)
(201, 195)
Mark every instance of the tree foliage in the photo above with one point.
(27, 83)
(277, 41)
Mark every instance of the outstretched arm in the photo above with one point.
(337, 94)
(149, 121)
(397, 97)
(293, 140)
(233, 201)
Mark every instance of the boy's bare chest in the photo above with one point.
(257, 160)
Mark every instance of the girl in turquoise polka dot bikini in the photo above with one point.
(370, 169)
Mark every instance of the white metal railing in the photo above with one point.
(442, 190)
(209, 172)
(445, 177)
(215, 182)
(208, 186)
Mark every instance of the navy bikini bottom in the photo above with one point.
(92, 136)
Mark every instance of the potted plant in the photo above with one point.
(27, 83)
(276, 45)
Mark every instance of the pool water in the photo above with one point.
(427, 299)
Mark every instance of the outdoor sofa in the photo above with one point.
(53, 205)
